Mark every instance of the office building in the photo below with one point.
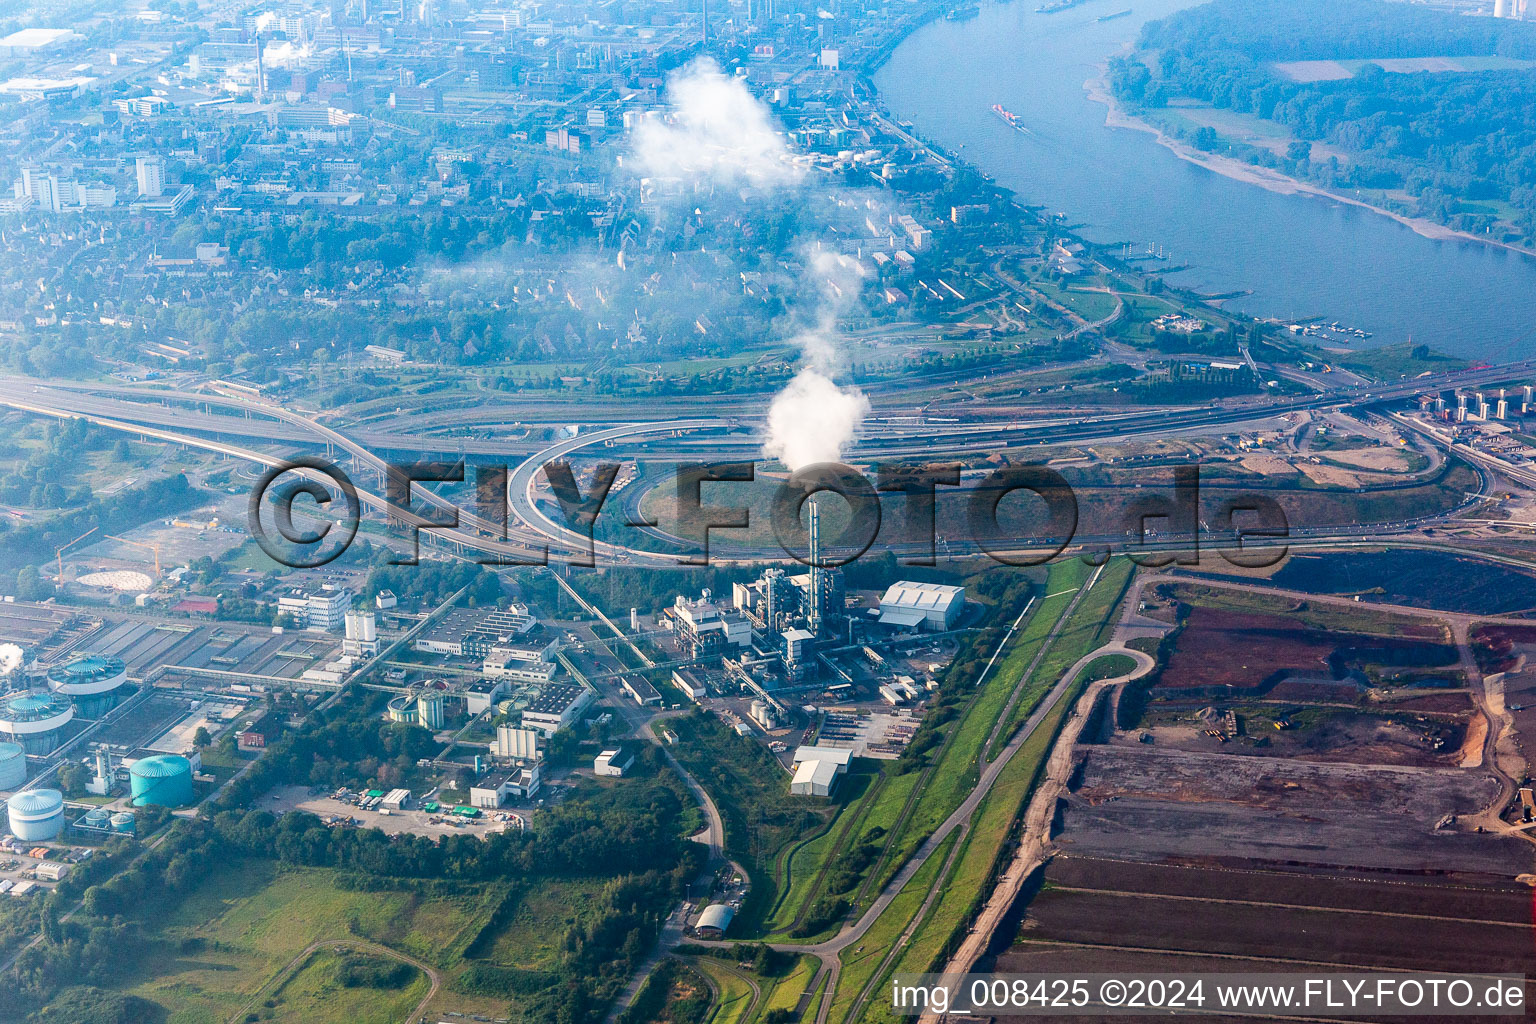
(151, 174)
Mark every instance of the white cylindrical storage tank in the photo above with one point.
(35, 719)
(36, 815)
(13, 765)
(93, 682)
(361, 626)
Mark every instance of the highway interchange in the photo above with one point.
(203, 414)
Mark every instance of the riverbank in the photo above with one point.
(1267, 178)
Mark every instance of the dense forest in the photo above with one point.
(1462, 145)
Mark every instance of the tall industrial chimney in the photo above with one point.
(818, 574)
(261, 74)
(704, 19)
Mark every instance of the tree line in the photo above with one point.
(1451, 140)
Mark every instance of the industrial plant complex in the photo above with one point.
(657, 512)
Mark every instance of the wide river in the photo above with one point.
(1299, 255)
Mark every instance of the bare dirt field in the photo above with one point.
(1336, 735)
(1097, 915)
(1158, 806)
(1229, 651)
(1508, 655)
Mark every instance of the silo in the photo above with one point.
(125, 823)
(36, 815)
(164, 780)
(96, 817)
(430, 710)
(13, 765)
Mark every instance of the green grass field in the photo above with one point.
(236, 934)
(733, 996)
(861, 961)
(313, 994)
(800, 864)
(530, 937)
(787, 990)
(752, 791)
(1087, 629)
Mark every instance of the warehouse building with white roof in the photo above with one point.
(932, 606)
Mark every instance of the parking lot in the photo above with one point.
(415, 821)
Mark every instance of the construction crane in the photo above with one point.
(140, 544)
(60, 553)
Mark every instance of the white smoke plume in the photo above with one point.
(714, 130)
(813, 419)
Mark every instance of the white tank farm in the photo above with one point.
(13, 766)
(36, 815)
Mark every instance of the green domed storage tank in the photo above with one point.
(164, 780)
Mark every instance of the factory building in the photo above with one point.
(817, 769)
(36, 815)
(320, 607)
(558, 706)
(639, 689)
(523, 782)
(798, 651)
(528, 657)
(396, 800)
(472, 632)
(705, 629)
(92, 683)
(925, 606)
(770, 601)
(614, 762)
(517, 670)
(13, 766)
(164, 780)
(259, 731)
(482, 694)
(36, 719)
(692, 682)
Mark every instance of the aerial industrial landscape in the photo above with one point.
(629, 511)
